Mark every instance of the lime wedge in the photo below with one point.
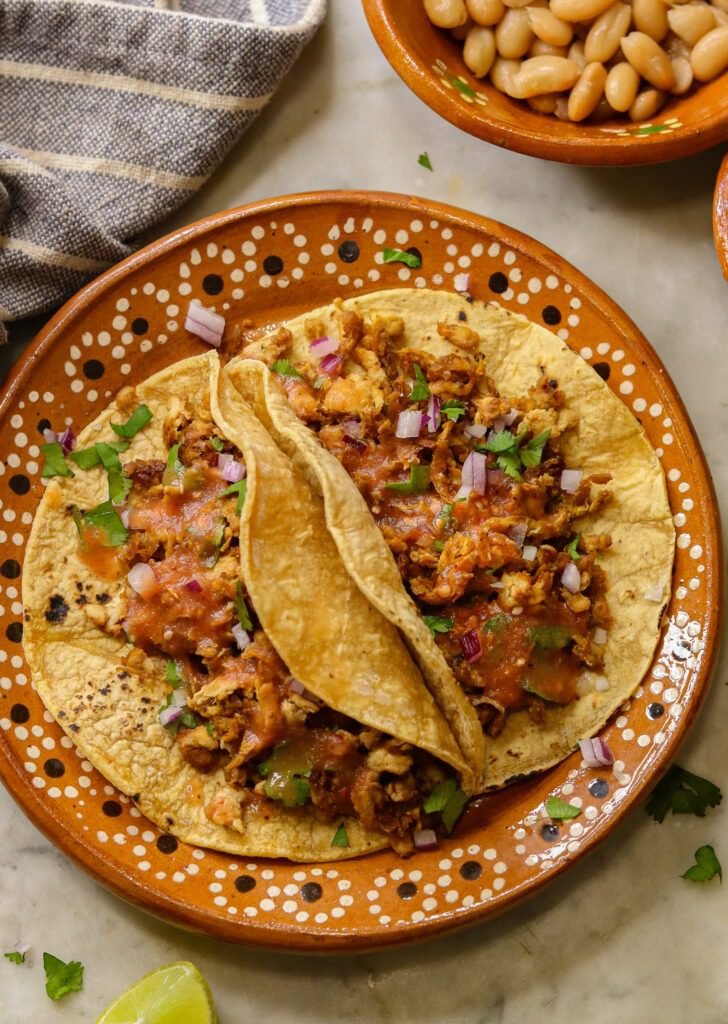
(175, 994)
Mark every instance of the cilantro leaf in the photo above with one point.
(15, 957)
(210, 729)
(174, 470)
(497, 623)
(241, 608)
(285, 368)
(452, 409)
(410, 259)
(340, 836)
(438, 545)
(550, 637)
(447, 800)
(54, 463)
(119, 482)
(706, 866)
(559, 810)
(532, 451)
(420, 389)
(171, 674)
(424, 161)
(188, 719)
(217, 444)
(572, 549)
(87, 458)
(106, 519)
(62, 978)
(241, 489)
(437, 624)
(418, 482)
(138, 419)
(445, 514)
(504, 446)
(682, 793)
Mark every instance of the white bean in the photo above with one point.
(446, 13)
(647, 104)
(691, 21)
(621, 86)
(579, 10)
(502, 74)
(542, 49)
(587, 92)
(576, 53)
(479, 51)
(650, 17)
(606, 33)
(548, 27)
(543, 104)
(540, 75)
(710, 54)
(513, 36)
(649, 59)
(461, 33)
(486, 12)
(683, 76)
(721, 5)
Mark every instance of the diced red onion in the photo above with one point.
(142, 579)
(242, 639)
(501, 422)
(355, 443)
(571, 578)
(296, 686)
(194, 586)
(179, 697)
(600, 635)
(463, 493)
(596, 753)
(496, 476)
(352, 427)
(475, 472)
(431, 418)
(205, 323)
(124, 516)
(529, 552)
(68, 439)
(22, 947)
(409, 423)
(425, 839)
(324, 346)
(570, 480)
(476, 430)
(518, 533)
(331, 365)
(51, 436)
(461, 282)
(655, 593)
(497, 585)
(470, 645)
(231, 469)
(169, 715)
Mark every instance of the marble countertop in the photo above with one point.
(621, 937)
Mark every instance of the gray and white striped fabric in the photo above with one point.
(112, 113)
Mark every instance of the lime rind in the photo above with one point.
(174, 994)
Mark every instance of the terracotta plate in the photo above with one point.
(720, 217)
(267, 262)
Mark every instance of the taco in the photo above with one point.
(191, 626)
(489, 495)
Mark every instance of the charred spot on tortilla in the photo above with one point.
(57, 610)
(103, 598)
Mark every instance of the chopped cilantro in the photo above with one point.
(138, 419)
(106, 519)
(174, 470)
(87, 458)
(340, 836)
(217, 444)
(453, 409)
(62, 978)
(424, 161)
(682, 793)
(119, 482)
(285, 368)
(572, 549)
(531, 452)
(437, 624)
(241, 489)
(241, 608)
(447, 800)
(210, 729)
(453, 809)
(559, 810)
(54, 463)
(550, 637)
(188, 719)
(512, 455)
(418, 482)
(410, 259)
(445, 514)
(15, 957)
(420, 389)
(171, 674)
(706, 866)
(497, 623)
(438, 545)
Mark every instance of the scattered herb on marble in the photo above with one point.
(682, 793)
(410, 259)
(706, 866)
(62, 978)
(559, 810)
(424, 161)
(15, 957)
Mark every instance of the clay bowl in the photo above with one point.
(720, 216)
(431, 64)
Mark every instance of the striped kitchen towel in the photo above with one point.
(112, 113)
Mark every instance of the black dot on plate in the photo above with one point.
(43, 424)
(54, 768)
(471, 870)
(655, 710)
(93, 369)
(498, 282)
(244, 883)
(139, 325)
(272, 265)
(349, 251)
(311, 891)
(14, 632)
(19, 484)
(551, 315)
(10, 569)
(603, 369)
(212, 284)
(406, 890)
(19, 714)
(111, 808)
(414, 251)
(599, 787)
(550, 832)
(166, 844)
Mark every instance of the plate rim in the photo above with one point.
(270, 935)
